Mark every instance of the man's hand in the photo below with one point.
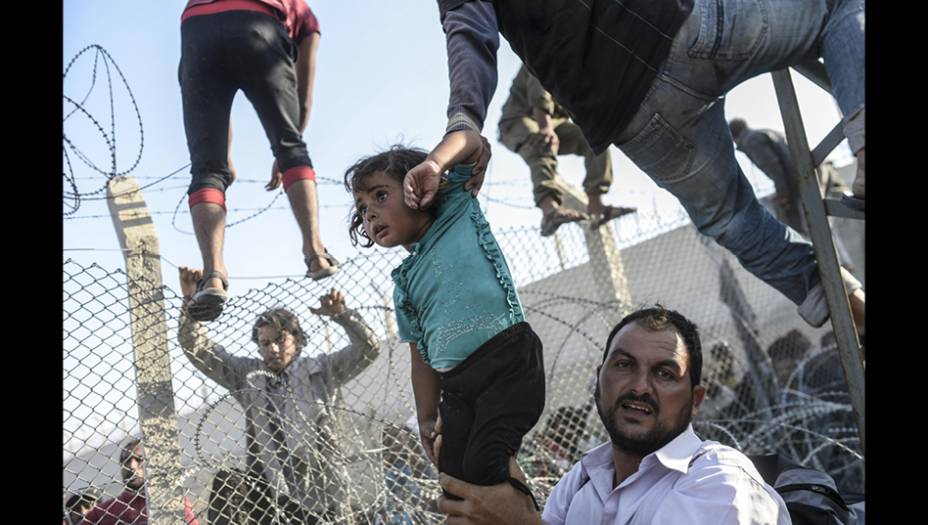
(545, 141)
(275, 178)
(497, 504)
(188, 281)
(332, 303)
(480, 169)
(457, 147)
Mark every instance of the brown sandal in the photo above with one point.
(207, 303)
(321, 273)
(610, 213)
(553, 220)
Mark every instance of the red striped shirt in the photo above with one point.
(295, 15)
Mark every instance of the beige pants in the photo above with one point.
(545, 180)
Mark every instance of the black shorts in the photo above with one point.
(488, 403)
(229, 51)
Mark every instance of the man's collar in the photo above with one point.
(597, 466)
(677, 454)
(597, 456)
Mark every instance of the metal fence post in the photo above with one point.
(822, 244)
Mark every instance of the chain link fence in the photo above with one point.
(342, 446)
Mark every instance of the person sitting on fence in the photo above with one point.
(476, 363)
(767, 149)
(539, 129)
(290, 403)
(654, 469)
(77, 506)
(130, 507)
(651, 76)
(266, 48)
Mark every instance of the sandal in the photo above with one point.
(553, 220)
(321, 273)
(610, 213)
(206, 304)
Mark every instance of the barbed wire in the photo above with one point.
(74, 197)
(110, 138)
(810, 418)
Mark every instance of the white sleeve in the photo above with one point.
(721, 493)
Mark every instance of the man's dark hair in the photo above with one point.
(737, 125)
(395, 162)
(281, 320)
(657, 318)
(128, 449)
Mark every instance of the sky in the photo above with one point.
(381, 79)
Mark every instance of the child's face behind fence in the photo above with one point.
(386, 218)
(134, 472)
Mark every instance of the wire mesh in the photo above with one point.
(339, 442)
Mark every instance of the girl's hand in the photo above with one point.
(421, 184)
(430, 435)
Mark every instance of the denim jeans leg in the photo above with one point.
(684, 145)
(725, 42)
(679, 136)
(843, 52)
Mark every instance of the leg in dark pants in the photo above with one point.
(489, 402)
(222, 53)
(208, 87)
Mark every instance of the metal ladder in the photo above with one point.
(816, 210)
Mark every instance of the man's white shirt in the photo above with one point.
(687, 481)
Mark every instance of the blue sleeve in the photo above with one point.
(472, 38)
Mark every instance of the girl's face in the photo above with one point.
(386, 218)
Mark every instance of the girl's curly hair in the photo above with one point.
(395, 162)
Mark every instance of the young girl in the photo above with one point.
(474, 358)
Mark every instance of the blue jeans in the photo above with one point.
(680, 137)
